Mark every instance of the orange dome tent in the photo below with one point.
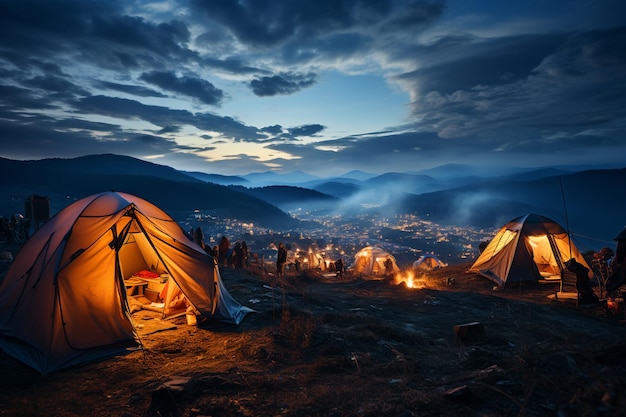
(64, 301)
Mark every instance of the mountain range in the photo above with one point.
(590, 203)
(64, 181)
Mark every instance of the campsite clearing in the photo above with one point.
(317, 347)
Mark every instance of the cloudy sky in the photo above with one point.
(322, 86)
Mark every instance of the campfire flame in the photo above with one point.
(410, 280)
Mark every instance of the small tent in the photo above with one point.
(428, 262)
(525, 250)
(63, 301)
(371, 261)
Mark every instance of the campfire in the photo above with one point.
(410, 280)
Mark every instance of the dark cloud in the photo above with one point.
(133, 42)
(510, 85)
(137, 33)
(38, 136)
(416, 16)
(153, 143)
(231, 65)
(274, 130)
(307, 130)
(462, 64)
(281, 84)
(93, 32)
(135, 90)
(86, 126)
(229, 127)
(269, 23)
(376, 153)
(477, 93)
(199, 89)
(331, 47)
(17, 98)
(235, 164)
(163, 116)
(47, 27)
(59, 88)
(169, 129)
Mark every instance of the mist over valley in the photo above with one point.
(447, 211)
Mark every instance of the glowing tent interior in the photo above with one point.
(527, 249)
(64, 299)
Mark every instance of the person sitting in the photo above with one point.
(587, 296)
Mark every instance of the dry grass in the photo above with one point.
(317, 347)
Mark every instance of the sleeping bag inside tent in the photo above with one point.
(64, 300)
(527, 249)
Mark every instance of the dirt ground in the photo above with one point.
(317, 346)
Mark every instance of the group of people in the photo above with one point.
(14, 229)
(281, 261)
(236, 257)
(337, 267)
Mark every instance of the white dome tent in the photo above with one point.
(370, 261)
(428, 262)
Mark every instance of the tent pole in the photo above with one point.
(569, 238)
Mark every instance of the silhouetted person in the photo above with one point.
(587, 295)
(244, 246)
(339, 268)
(198, 236)
(388, 268)
(238, 255)
(230, 258)
(281, 260)
(224, 246)
(6, 229)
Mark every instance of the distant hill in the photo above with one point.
(451, 171)
(66, 180)
(536, 174)
(358, 175)
(338, 189)
(288, 197)
(272, 178)
(37, 170)
(411, 183)
(591, 203)
(218, 179)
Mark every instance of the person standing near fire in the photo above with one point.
(388, 268)
(281, 260)
(339, 268)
